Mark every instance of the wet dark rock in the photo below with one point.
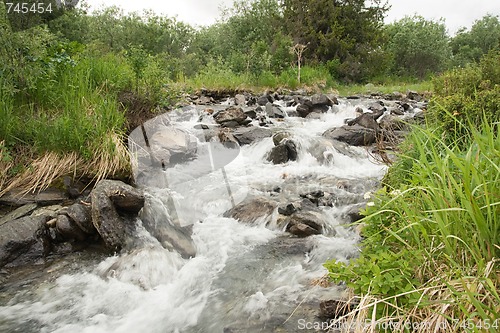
(355, 135)
(287, 210)
(251, 113)
(115, 226)
(377, 107)
(283, 153)
(231, 114)
(319, 109)
(274, 111)
(278, 155)
(201, 127)
(127, 198)
(252, 210)
(303, 110)
(354, 212)
(291, 147)
(305, 223)
(333, 309)
(17, 237)
(264, 99)
(367, 120)
(69, 229)
(248, 135)
(82, 216)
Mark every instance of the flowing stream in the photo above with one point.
(244, 278)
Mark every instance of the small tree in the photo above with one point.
(298, 49)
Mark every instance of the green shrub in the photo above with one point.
(464, 96)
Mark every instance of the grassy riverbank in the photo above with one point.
(430, 253)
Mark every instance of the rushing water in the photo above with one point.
(244, 278)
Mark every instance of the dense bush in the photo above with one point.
(467, 97)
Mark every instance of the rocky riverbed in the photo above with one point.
(235, 206)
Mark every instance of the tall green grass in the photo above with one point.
(432, 243)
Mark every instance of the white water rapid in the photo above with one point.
(244, 278)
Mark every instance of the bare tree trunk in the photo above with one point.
(299, 49)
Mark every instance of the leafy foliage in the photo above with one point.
(418, 46)
(483, 37)
(469, 96)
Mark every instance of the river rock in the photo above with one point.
(354, 135)
(414, 96)
(322, 99)
(231, 117)
(170, 145)
(288, 209)
(82, 216)
(305, 223)
(18, 236)
(253, 210)
(393, 123)
(50, 211)
(281, 137)
(274, 111)
(377, 107)
(283, 153)
(50, 196)
(115, 229)
(69, 229)
(18, 213)
(240, 99)
(247, 135)
(264, 99)
(367, 120)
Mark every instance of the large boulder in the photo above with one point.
(247, 135)
(114, 223)
(231, 117)
(170, 145)
(354, 135)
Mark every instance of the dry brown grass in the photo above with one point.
(444, 307)
(111, 159)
